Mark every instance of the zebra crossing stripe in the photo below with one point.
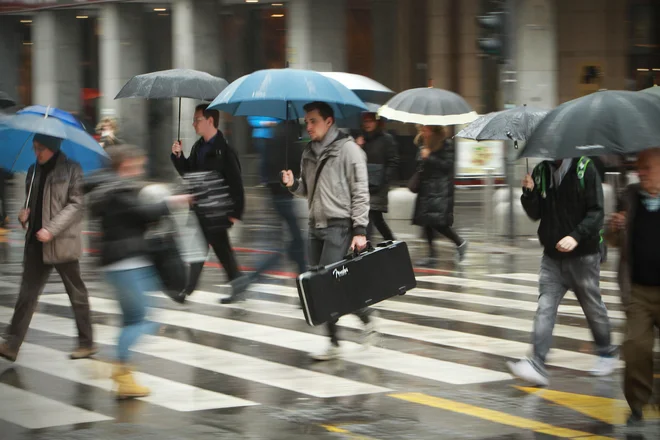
(170, 394)
(32, 411)
(534, 278)
(391, 360)
(310, 383)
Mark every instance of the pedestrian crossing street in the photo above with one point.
(449, 332)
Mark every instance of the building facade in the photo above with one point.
(76, 55)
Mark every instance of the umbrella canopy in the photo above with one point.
(513, 124)
(282, 93)
(428, 106)
(365, 88)
(17, 131)
(655, 90)
(56, 113)
(6, 101)
(174, 83)
(604, 122)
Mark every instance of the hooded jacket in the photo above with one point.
(343, 185)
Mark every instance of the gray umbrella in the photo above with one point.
(6, 101)
(604, 122)
(174, 83)
(655, 90)
(428, 106)
(515, 124)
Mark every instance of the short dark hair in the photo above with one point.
(120, 153)
(323, 107)
(209, 113)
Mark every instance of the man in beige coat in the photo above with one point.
(53, 220)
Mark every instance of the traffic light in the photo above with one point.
(493, 40)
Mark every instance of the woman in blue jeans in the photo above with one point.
(124, 221)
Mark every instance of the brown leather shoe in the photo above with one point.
(7, 353)
(84, 352)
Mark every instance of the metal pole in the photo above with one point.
(489, 193)
(508, 95)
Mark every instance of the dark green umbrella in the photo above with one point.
(604, 122)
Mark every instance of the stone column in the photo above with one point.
(439, 57)
(316, 34)
(10, 54)
(56, 71)
(196, 44)
(536, 53)
(122, 56)
(384, 19)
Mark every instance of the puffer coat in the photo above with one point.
(435, 200)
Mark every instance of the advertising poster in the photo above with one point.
(474, 158)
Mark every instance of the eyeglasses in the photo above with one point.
(198, 120)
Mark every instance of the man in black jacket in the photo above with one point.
(383, 168)
(212, 153)
(567, 196)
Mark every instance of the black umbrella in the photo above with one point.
(174, 83)
(6, 101)
(515, 124)
(604, 122)
(428, 106)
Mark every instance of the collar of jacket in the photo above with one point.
(329, 149)
(373, 135)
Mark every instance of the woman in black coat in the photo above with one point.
(434, 208)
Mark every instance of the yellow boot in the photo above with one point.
(125, 385)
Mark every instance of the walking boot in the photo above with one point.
(125, 385)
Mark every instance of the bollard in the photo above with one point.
(489, 192)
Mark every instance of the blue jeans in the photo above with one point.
(582, 276)
(131, 287)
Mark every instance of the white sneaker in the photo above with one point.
(370, 333)
(330, 353)
(604, 366)
(525, 370)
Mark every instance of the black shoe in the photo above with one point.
(462, 249)
(233, 299)
(635, 419)
(426, 262)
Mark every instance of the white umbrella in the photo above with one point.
(367, 89)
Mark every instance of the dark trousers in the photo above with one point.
(376, 219)
(285, 208)
(447, 231)
(35, 276)
(643, 316)
(327, 246)
(221, 245)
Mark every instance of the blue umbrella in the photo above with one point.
(282, 93)
(56, 113)
(17, 131)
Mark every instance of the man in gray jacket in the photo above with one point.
(334, 180)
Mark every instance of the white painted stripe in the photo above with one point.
(605, 285)
(450, 338)
(501, 287)
(32, 411)
(166, 393)
(208, 358)
(468, 298)
(404, 363)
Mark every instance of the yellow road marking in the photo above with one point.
(495, 416)
(346, 432)
(611, 411)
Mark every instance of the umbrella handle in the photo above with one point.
(27, 201)
(178, 135)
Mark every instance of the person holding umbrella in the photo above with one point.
(567, 197)
(335, 182)
(52, 216)
(212, 153)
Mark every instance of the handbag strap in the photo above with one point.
(318, 174)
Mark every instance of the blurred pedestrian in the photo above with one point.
(212, 153)
(335, 182)
(567, 197)
(5, 178)
(263, 131)
(53, 217)
(634, 230)
(283, 204)
(107, 130)
(383, 168)
(124, 252)
(434, 207)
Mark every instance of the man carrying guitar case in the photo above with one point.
(334, 180)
